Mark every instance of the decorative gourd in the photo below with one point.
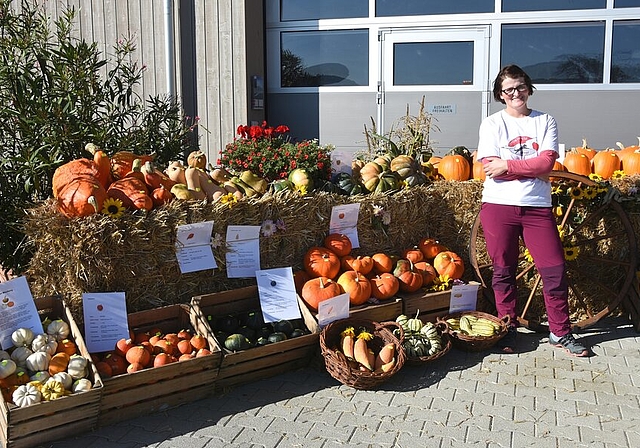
(431, 247)
(201, 185)
(70, 171)
(382, 263)
(427, 271)
(41, 376)
(37, 361)
(138, 354)
(44, 343)
(605, 163)
(78, 366)
(404, 165)
(132, 192)
(22, 337)
(348, 184)
(577, 163)
(356, 285)
(237, 342)
(102, 164)
(81, 385)
(58, 363)
(413, 254)
(122, 162)
(7, 367)
(449, 263)
(454, 167)
(300, 177)
(362, 264)
(67, 346)
(4, 355)
(161, 196)
(64, 378)
(338, 243)
(318, 290)
(384, 286)
(20, 355)
(52, 390)
(59, 329)
(409, 279)
(26, 395)
(321, 262)
(155, 178)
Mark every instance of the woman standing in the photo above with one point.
(518, 147)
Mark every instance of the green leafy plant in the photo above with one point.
(268, 152)
(58, 93)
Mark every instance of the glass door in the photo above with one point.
(448, 67)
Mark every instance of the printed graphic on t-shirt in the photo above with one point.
(523, 147)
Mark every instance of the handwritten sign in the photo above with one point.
(17, 310)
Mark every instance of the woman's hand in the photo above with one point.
(494, 167)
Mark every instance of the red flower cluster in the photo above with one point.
(255, 132)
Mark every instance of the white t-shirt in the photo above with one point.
(513, 138)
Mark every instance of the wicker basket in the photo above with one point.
(443, 330)
(477, 343)
(340, 368)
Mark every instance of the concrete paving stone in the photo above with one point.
(539, 391)
(410, 398)
(552, 404)
(365, 436)
(373, 396)
(377, 410)
(260, 438)
(489, 438)
(433, 414)
(445, 391)
(280, 409)
(606, 410)
(629, 413)
(558, 430)
(492, 410)
(250, 421)
(223, 433)
(290, 428)
(512, 401)
(406, 440)
(584, 420)
(404, 426)
(526, 427)
(630, 427)
(328, 416)
(615, 438)
(587, 396)
(185, 442)
(331, 431)
(289, 441)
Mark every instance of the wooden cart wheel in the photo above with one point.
(600, 253)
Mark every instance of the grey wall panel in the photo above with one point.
(298, 111)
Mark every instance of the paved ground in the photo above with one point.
(538, 398)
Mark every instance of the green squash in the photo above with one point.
(280, 185)
(347, 184)
(228, 324)
(283, 326)
(254, 320)
(278, 336)
(237, 342)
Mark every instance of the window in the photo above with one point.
(322, 9)
(625, 53)
(324, 58)
(433, 63)
(551, 5)
(388, 8)
(556, 53)
(626, 3)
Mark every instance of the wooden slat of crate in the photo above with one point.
(47, 421)
(134, 394)
(384, 311)
(257, 362)
(429, 305)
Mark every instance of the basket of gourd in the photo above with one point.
(424, 341)
(475, 331)
(362, 353)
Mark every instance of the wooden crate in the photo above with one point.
(378, 312)
(44, 422)
(257, 362)
(429, 305)
(156, 389)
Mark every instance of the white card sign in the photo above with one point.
(464, 297)
(193, 247)
(333, 309)
(17, 310)
(105, 320)
(243, 258)
(344, 219)
(277, 291)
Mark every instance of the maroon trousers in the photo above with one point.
(503, 225)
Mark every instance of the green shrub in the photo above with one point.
(58, 93)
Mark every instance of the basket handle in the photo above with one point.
(506, 319)
(392, 324)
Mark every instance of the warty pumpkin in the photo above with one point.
(132, 192)
(81, 197)
(73, 170)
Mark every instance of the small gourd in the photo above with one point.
(37, 361)
(41, 377)
(52, 390)
(4, 355)
(20, 355)
(59, 329)
(64, 378)
(77, 367)
(7, 368)
(26, 395)
(22, 337)
(44, 343)
(81, 385)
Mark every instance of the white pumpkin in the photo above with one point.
(26, 395)
(22, 337)
(37, 361)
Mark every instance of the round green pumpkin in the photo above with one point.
(237, 342)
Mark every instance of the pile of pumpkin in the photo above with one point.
(331, 270)
(131, 181)
(148, 349)
(585, 160)
(42, 367)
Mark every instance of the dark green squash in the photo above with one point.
(237, 342)
(283, 326)
(278, 336)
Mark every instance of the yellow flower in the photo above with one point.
(595, 177)
(590, 192)
(561, 232)
(576, 193)
(558, 210)
(112, 207)
(557, 190)
(618, 174)
(301, 189)
(527, 255)
(229, 199)
(571, 253)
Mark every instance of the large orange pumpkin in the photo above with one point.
(384, 286)
(454, 167)
(586, 150)
(81, 197)
(431, 247)
(356, 285)
(318, 290)
(626, 151)
(605, 163)
(321, 262)
(382, 263)
(449, 263)
(414, 254)
(632, 163)
(132, 192)
(478, 171)
(362, 264)
(70, 171)
(339, 243)
(577, 163)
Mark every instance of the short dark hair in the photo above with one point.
(510, 71)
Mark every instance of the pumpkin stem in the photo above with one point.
(94, 202)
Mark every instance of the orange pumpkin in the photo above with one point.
(104, 369)
(318, 290)
(427, 271)
(384, 286)
(382, 263)
(123, 345)
(199, 342)
(102, 163)
(431, 247)
(631, 164)
(162, 359)
(625, 151)
(161, 196)
(449, 263)
(557, 166)
(362, 264)
(70, 171)
(338, 243)
(321, 262)
(605, 163)
(454, 167)
(132, 192)
(184, 346)
(300, 277)
(478, 171)
(414, 254)
(584, 149)
(408, 278)
(117, 363)
(138, 354)
(58, 363)
(122, 162)
(356, 285)
(67, 346)
(81, 197)
(577, 163)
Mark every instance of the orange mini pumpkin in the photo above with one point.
(427, 271)
(356, 285)
(138, 354)
(318, 290)
(431, 247)
(384, 286)
(449, 263)
(382, 263)
(454, 167)
(321, 262)
(362, 264)
(338, 243)
(414, 254)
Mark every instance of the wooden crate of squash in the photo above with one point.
(269, 349)
(45, 421)
(141, 387)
